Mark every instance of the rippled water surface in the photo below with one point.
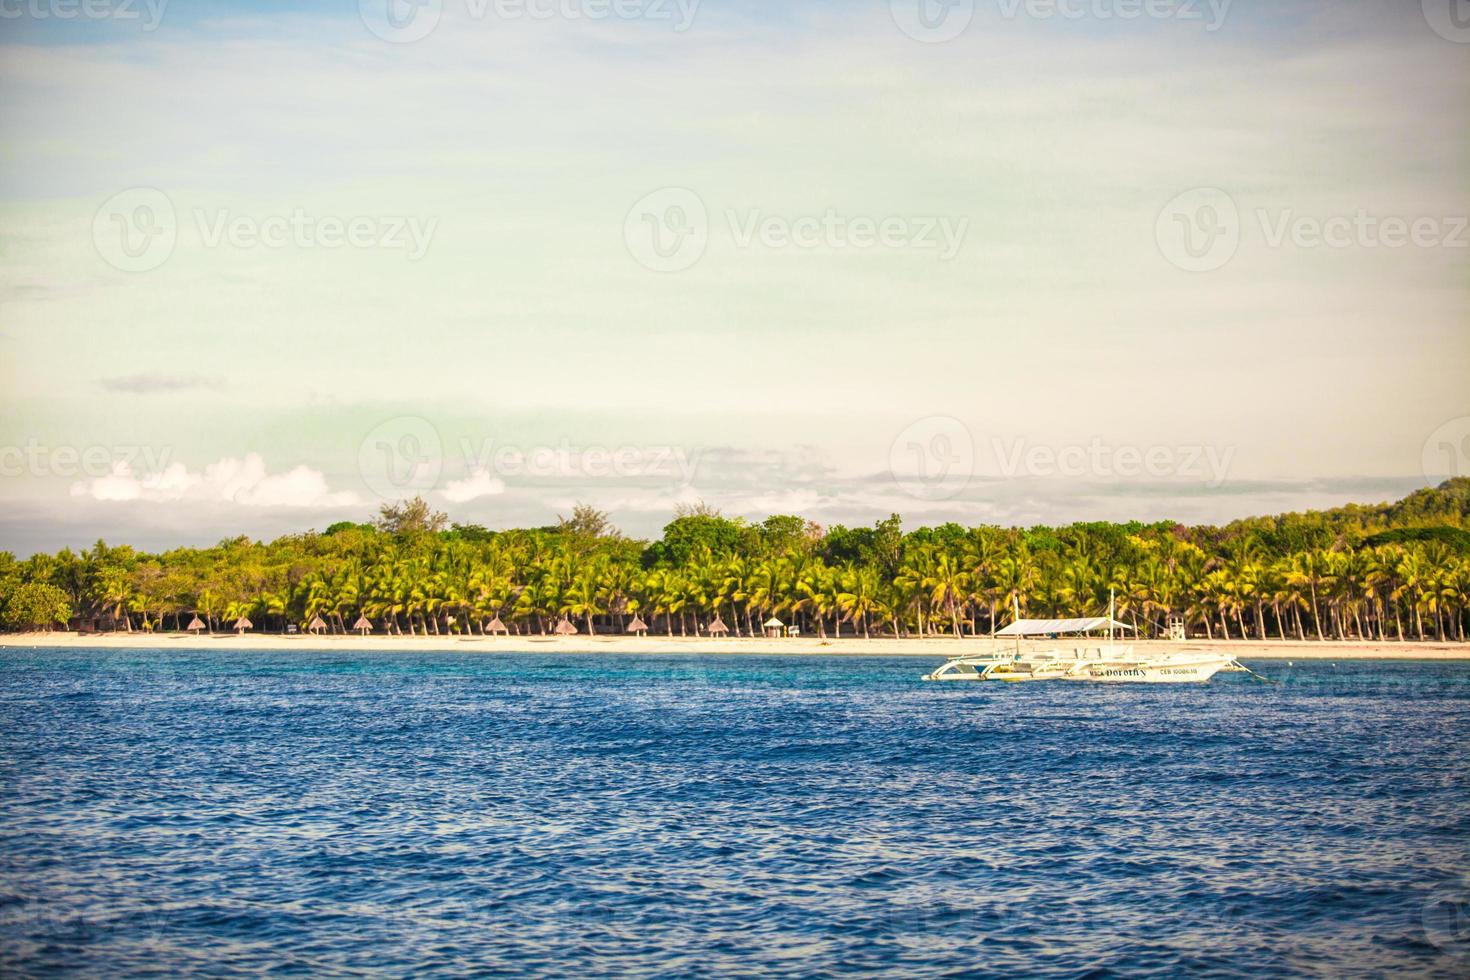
(328, 813)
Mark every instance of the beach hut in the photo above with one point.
(774, 627)
(637, 627)
(242, 624)
(196, 624)
(316, 625)
(565, 628)
(363, 625)
(718, 628)
(496, 627)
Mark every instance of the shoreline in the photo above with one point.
(933, 647)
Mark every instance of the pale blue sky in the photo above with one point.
(502, 172)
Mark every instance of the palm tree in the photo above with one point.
(585, 599)
(908, 587)
(947, 583)
(765, 588)
(821, 590)
(1306, 569)
(860, 593)
(1016, 576)
(738, 585)
(1414, 579)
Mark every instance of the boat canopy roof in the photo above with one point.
(1045, 627)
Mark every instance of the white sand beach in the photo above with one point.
(935, 647)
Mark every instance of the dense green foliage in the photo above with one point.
(1391, 570)
(35, 605)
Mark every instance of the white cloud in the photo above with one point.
(244, 482)
(478, 484)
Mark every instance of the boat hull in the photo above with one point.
(1101, 670)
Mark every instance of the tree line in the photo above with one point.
(1394, 571)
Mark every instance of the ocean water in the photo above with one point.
(218, 813)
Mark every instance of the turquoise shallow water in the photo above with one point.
(326, 813)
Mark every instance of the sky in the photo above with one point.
(266, 266)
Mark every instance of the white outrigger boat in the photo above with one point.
(1107, 664)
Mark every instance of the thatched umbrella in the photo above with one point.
(363, 625)
(316, 625)
(196, 624)
(637, 626)
(496, 626)
(242, 624)
(565, 628)
(774, 626)
(718, 627)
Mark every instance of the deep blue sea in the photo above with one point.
(173, 812)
